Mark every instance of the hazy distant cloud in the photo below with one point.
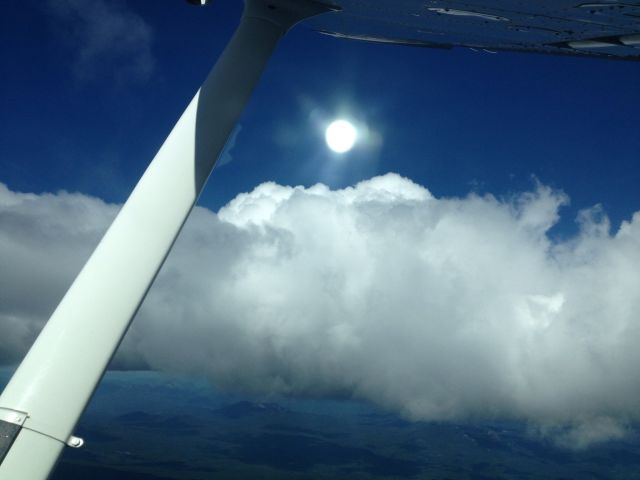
(439, 308)
(107, 38)
(581, 433)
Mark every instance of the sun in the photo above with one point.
(341, 136)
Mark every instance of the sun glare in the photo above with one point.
(341, 136)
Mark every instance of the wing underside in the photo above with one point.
(604, 29)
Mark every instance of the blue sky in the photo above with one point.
(454, 121)
(496, 310)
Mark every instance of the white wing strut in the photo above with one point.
(46, 396)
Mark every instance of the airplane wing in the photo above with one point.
(603, 29)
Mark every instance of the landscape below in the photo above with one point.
(149, 426)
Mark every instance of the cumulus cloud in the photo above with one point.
(438, 308)
(44, 241)
(107, 39)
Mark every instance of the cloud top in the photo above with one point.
(439, 308)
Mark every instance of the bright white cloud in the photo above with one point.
(107, 37)
(439, 308)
